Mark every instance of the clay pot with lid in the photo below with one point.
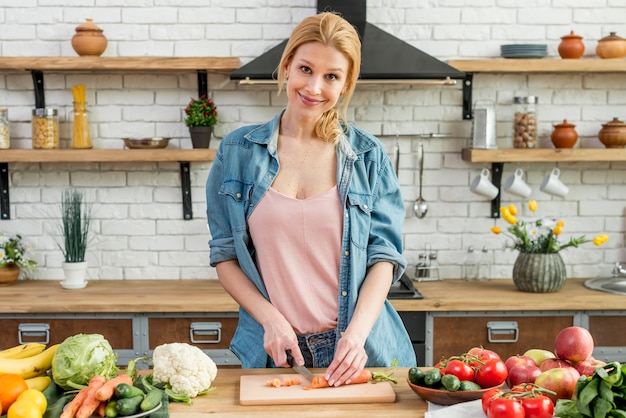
(611, 46)
(613, 134)
(571, 46)
(89, 39)
(564, 135)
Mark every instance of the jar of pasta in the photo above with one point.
(525, 122)
(5, 142)
(45, 128)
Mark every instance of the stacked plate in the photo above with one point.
(524, 51)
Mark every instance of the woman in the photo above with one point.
(305, 214)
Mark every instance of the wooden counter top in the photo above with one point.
(137, 296)
(224, 402)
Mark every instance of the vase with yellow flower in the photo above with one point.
(539, 267)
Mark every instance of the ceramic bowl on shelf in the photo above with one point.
(613, 134)
(445, 397)
(146, 143)
(89, 39)
(611, 46)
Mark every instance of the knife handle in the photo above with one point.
(290, 359)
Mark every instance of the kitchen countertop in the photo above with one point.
(224, 402)
(145, 296)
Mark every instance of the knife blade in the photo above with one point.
(302, 370)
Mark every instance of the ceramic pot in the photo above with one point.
(89, 40)
(571, 46)
(75, 275)
(613, 134)
(9, 275)
(564, 135)
(611, 46)
(539, 273)
(200, 136)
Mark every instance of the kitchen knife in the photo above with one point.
(300, 369)
(40, 99)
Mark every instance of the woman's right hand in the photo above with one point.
(279, 337)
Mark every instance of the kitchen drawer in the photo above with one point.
(506, 334)
(608, 334)
(50, 329)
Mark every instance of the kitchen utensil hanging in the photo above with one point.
(420, 207)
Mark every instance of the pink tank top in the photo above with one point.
(298, 251)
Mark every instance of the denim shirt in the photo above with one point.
(244, 168)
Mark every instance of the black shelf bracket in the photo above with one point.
(467, 96)
(185, 184)
(496, 179)
(203, 83)
(5, 208)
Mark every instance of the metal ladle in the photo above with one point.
(420, 207)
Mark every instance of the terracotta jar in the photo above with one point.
(564, 135)
(611, 46)
(571, 46)
(89, 40)
(613, 134)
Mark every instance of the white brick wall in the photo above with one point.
(138, 228)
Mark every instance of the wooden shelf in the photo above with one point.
(543, 155)
(105, 155)
(166, 64)
(542, 65)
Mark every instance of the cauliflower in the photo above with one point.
(184, 367)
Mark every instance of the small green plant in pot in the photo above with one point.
(200, 117)
(75, 223)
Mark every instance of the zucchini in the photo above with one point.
(124, 390)
(129, 406)
(151, 400)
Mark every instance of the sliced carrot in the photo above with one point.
(319, 382)
(106, 391)
(295, 381)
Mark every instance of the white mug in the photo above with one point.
(483, 186)
(551, 184)
(516, 185)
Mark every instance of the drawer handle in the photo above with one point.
(30, 331)
(208, 332)
(499, 328)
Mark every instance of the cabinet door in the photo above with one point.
(504, 334)
(608, 336)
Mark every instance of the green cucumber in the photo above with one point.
(110, 411)
(151, 400)
(129, 406)
(124, 390)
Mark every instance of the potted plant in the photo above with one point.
(200, 117)
(539, 267)
(75, 223)
(13, 258)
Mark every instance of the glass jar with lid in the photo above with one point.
(525, 122)
(5, 141)
(45, 128)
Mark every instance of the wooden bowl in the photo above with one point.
(445, 397)
(146, 143)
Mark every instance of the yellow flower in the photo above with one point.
(557, 229)
(560, 224)
(532, 205)
(600, 239)
(496, 230)
(512, 209)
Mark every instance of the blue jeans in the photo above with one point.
(317, 349)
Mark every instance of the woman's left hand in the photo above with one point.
(348, 363)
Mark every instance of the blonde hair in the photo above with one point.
(331, 30)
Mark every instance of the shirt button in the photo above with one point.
(347, 214)
(238, 195)
(346, 253)
(365, 206)
(344, 293)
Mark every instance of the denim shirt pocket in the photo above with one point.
(360, 209)
(239, 193)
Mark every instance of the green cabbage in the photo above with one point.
(81, 357)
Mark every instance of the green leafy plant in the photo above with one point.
(13, 251)
(75, 222)
(540, 236)
(201, 112)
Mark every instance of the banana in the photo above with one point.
(39, 383)
(31, 366)
(23, 351)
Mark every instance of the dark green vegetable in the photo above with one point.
(416, 376)
(432, 377)
(469, 385)
(450, 382)
(124, 390)
(110, 411)
(151, 400)
(129, 406)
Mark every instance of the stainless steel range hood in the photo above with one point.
(385, 58)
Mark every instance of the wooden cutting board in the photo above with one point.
(253, 391)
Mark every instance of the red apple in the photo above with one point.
(553, 363)
(519, 360)
(561, 380)
(522, 374)
(589, 366)
(484, 353)
(573, 344)
(539, 355)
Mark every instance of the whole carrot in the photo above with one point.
(106, 391)
(72, 408)
(319, 382)
(90, 403)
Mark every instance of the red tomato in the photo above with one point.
(491, 374)
(538, 407)
(488, 397)
(505, 408)
(442, 365)
(460, 370)
(484, 353)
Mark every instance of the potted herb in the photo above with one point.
(200, 117)
(75, 223)
(13, 258)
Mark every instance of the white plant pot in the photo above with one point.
(75, 275)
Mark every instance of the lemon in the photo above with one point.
(36, 397)
(24, 409)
